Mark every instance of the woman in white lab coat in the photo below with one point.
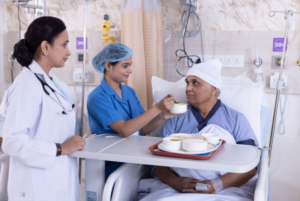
(38, 132)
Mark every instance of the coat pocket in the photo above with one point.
(57, 176)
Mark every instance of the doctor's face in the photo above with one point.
(59, 51)
(119, 72)
(198, 91)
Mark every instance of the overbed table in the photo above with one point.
(134, 149)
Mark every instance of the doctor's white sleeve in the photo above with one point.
(22, 117)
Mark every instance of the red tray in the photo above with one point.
(155, 150)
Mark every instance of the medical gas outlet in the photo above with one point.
(276, 62)
(106, 26)
(78, 76)
(258, 71)
(274, 79)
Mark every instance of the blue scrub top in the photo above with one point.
(227, 118)
(106, 107)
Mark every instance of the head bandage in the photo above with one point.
(209, 71)
(113, 52)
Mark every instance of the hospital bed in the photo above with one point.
(123, 183)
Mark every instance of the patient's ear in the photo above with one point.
(214, 91)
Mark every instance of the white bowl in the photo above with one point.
(179, 108)
(194, 145)
(172, 143)
(211, 137)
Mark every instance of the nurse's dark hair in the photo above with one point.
(113, 64)
(44, 28)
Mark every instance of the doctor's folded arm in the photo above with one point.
(39, 127)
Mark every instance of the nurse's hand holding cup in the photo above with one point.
(166, 103)
(173, 108)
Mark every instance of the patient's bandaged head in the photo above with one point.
(113, 52)
(209, 71)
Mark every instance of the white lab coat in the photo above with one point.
(33, 124)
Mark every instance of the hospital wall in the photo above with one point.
(228, 28)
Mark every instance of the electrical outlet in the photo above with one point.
(10, 59)
(77, 75)
(235, 61)
(274, 80)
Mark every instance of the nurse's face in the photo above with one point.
(59, 51)
(198, 91)
(121, 71)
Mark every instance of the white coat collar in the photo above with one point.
(36, 68)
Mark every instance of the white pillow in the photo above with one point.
(239, 93)
(246, 99)
(161, 88)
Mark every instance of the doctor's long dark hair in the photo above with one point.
(44, 28)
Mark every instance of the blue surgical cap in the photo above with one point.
(113, 52)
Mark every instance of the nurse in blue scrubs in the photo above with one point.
(115, 108)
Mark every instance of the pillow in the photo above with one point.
(246, 99)
(161, 88)
(239, 93)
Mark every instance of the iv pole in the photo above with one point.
(287, 15)
(83, 85)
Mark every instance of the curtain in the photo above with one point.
(142, 31)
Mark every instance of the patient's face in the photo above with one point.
(198, 91)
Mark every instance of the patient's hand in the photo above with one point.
(183, 184)
(211, 189)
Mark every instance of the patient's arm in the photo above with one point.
(228, 180)
(167, 176)
(237, 179)
(187, 185)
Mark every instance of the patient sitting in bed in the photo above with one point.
(206, 113)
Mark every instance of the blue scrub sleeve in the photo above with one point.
(243, 130)
(103, 111)
(140, 107)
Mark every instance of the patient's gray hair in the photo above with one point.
(218, 92)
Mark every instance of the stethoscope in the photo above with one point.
(44, 85)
